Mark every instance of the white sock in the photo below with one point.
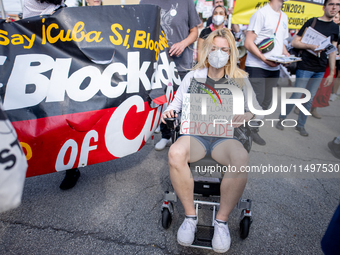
(191, 216)
(222, 221)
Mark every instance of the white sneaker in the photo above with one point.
(186, 232)
(162, 143)
(221, 240)
(333, 97)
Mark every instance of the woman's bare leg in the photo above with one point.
(186, 149)
(231, 152)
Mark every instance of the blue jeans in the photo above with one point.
(308, 80)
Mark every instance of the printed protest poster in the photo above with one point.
(202, 115)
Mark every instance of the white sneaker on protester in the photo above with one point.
(221, 240)
(333, 97)
(162, 143)
(186, 232)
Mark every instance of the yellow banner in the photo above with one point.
(298, 12)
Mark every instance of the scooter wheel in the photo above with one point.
(166, 218)
(244, 227)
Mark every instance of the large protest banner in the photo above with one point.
(298, 12)
(85, 85)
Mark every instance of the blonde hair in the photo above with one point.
(231, 69)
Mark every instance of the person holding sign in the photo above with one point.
(311, 69)
(268, 27)
(216, 68)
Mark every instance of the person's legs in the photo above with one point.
(312, 85)
(180, 175)
(165, 140)
(186, 149)
(70, 179)
(257, 81)
(270, 83)
(336, 84)
(230, 152)
(302, 79)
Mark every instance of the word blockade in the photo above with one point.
(85, 85)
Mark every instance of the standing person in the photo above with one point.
(311, 69)
(215, 4)
(268, 22)
(179, 21)
(42, 7)
(234, 27)
(218, 19)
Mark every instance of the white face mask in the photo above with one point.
(218, 20)
(218, 58)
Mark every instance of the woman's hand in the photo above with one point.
(240, 119)
(168, 114)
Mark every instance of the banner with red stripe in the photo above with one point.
(85, 85)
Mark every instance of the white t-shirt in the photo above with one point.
(263, 23)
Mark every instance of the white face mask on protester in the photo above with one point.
(218, 20)
(218, 58)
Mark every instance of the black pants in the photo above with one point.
(164, 129)
(263, 82)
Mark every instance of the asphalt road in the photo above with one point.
(115, 207)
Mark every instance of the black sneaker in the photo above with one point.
(279, 125)
(70, 179)
(335, 148)
(257, 138)
(302, 131)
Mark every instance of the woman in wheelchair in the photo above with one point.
(218, 64)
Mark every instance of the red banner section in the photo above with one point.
(85, 85)
(86, 138)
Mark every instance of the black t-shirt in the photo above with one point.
(205, 32)
(309, 61)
